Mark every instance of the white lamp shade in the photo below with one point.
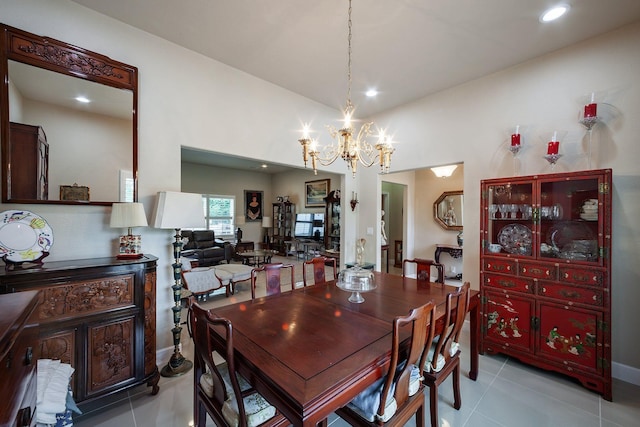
(266, 222)
(178, 210)
(444, 171)
(240, 220)
(127, 215)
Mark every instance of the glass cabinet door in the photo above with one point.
(568, 219)
(509, 219)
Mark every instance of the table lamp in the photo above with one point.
(177, 210)
(128, 215)
(266, 223)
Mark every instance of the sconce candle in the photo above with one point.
(515, 140)
(590, 110)
(552, 147)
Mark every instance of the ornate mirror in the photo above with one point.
(57, 149)
(448, 209)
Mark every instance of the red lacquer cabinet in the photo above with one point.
(545, 271)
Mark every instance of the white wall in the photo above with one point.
(186, 99)
(470, 123)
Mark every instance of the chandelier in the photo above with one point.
(351, 149)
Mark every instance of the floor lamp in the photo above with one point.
(176, 211)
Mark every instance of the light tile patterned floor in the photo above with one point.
(506, 394)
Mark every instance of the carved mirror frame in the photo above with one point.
(60, 57)
(441, 208)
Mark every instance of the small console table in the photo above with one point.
(454, 251)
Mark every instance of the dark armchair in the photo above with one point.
(203, 247)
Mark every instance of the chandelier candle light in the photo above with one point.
(352, 150)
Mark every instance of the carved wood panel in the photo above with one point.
(111, 354)
(150, 323)
(85, 297)
(61, 345)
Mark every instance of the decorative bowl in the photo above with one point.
(494, 248)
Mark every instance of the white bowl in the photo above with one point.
(494, 248)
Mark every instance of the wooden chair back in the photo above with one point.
(318, 267)
(205, 343)
(421, 321)
(423, 269)
(455, 312)
(273, 274)
(446, 353)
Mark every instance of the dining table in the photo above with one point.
(310, 351)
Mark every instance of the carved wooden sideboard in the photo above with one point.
(99, 315)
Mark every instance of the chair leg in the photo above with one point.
(420, 417)
(433, 404)
(457, 400)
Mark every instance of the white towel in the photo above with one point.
(52, 388)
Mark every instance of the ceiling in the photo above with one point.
(407, 49)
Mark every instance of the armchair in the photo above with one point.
(203, 247)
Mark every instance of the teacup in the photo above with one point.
(494, 248)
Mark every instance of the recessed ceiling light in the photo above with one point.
(554, 13)
(82, 99)
(264, 166)
(371, 93)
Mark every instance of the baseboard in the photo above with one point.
(163, 355)
(625, 373)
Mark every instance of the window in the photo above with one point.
(219, 213)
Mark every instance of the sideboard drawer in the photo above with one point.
(582, 276)
(499, 265)
(509, 283)
(538, 271)
(571, 294)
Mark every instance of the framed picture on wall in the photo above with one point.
(315, 192)
(253, 205)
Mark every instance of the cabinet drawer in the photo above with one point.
(500, 265)
(538, 271)
(582, 276)
(85, 297)
(570, 295)
(510, 283)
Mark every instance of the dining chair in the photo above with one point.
(273, 274)
(444, 355)
(393, 399)
(219, 390)
(318, 266)
(423, 269)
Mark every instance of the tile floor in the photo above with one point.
(506, 394)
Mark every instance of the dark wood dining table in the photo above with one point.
(310, 351)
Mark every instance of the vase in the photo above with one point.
(360, 251)
(459, 239)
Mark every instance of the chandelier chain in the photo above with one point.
(349, 105)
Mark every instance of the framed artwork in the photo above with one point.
(74, 192)
(253, 205)
(315, 192)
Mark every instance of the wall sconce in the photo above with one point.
(354, 200)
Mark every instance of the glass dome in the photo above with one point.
(356, 280)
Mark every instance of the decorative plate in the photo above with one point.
(515, 239)
(24, 236)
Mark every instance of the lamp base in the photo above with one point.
(177, 366)
(129, 256)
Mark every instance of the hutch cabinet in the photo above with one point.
(29, 160)
(98, 315)
(283, 222)
(332, 221)
(18, 359)
(545, 271)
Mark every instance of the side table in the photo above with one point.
(454, 251)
